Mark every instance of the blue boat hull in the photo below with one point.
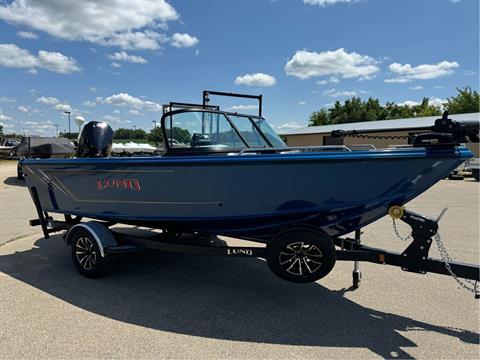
(247, 196)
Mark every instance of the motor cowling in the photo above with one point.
(95, 140)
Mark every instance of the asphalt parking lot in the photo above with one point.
(159, 305)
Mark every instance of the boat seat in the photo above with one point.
(200, 140)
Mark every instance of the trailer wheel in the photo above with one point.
(301, 256)
(86, 254)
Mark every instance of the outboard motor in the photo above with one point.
(95, 140)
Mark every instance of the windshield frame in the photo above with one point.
(189, 151)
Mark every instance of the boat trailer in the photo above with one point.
(414, 258)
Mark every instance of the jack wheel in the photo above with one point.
(86, 255)
(357, 279)
(301, 255)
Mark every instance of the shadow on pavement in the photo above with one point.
(14, 181)
(230, 299)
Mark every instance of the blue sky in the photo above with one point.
(118, 61)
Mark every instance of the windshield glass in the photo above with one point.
(269, 133)
(248, 131)
(201, 130)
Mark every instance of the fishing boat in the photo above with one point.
(225, 173)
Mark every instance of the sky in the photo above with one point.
(120, 60)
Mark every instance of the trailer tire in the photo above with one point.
(89, 259)
(301, 255)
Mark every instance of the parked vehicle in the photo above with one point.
(35, 147)
(8, 148)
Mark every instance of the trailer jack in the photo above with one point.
(415, 257)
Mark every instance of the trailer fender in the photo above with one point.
(102, 235)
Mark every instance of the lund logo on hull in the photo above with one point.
(239, 252)
(127, 184)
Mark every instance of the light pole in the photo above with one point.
(134, 127)
(68, 113)
(56, 126)
(154, 123)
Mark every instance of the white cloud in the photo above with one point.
(418, 87)
(48, 100)
(27, 35)
(288, 126)
(37, 128)
(432, 101)
(6, 126)
(331, 79)
(406, 73)
(339, 63)
(134, 112)
(408, 103)
(4, 99)
(92, 89)
(257, 79)
(116, 65)
(302, 103)
(115, 22)
(455, 1)
(126, 57)
(115, 119)
(183, 40)
(243, 107)
(13, 56)
(63, 107)
(90, 104)
(438, 87)
(436, 101)
(124, 99)
(22, 108)
(324, 3)
(147, 40)
(57, 62)
(339, 93)
(55, 103)
(4, 117)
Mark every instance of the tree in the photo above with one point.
(1, 129)
(319, 117)
(181, 135)
(466, 101)
(129, 134)
(155, 135)
(356, 110)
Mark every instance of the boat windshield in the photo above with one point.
(204, 131)
(269, 133)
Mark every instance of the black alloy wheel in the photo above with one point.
(87, 256)
(301, 255)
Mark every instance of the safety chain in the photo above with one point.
(400, 237)
(467, 284)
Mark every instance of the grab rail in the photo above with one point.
(339, 148)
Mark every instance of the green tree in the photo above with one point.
(319, 117)
(466, 101)
(356, 110)
(129, 134)
(181, 135)
(155, 135)
(1, 129)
